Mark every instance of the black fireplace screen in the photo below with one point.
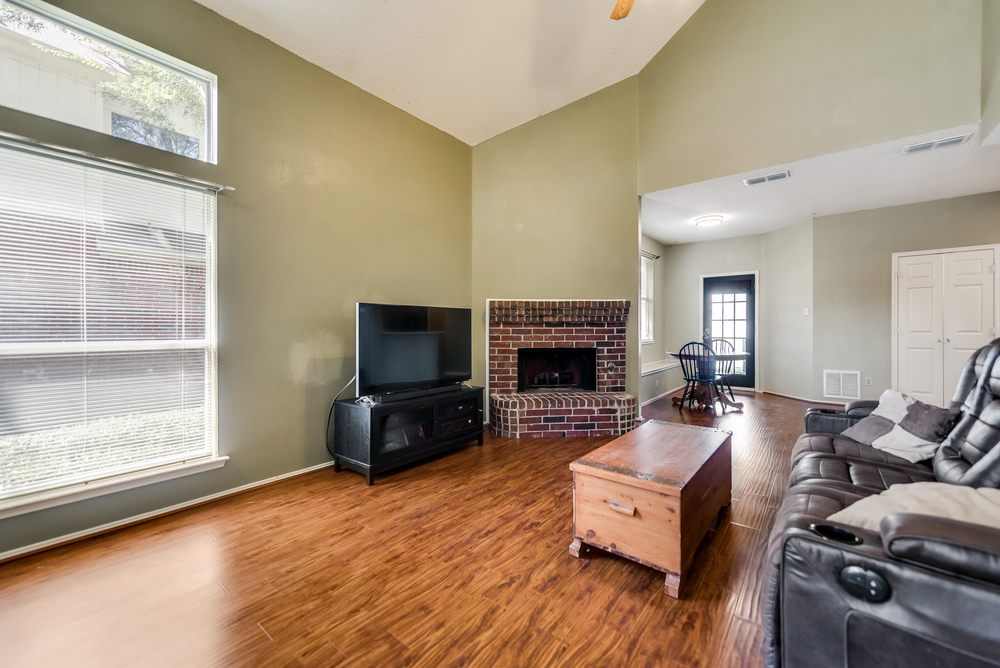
(556, 369)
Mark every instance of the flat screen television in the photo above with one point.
(401, 348)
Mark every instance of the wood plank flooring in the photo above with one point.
(460, 561)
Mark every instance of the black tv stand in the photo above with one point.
(373, 438)
(390, 397)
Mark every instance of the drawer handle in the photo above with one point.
(622, 508)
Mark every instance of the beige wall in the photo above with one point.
(340, 197)
(747, 84)
(786, 288)
(555, 213)
(989, 131)
(852, 281)
(784, 261)
(683, 267)
(837, 266)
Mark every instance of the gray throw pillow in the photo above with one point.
(904, 427)
(930, 422)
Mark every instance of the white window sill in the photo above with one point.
(56, 497)
(650, 368)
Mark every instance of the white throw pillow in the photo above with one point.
(956, 502)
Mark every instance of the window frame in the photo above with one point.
(101, 484)
(647, 274)
(100, 33)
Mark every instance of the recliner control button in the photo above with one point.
(865, 584)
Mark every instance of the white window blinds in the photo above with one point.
(646, 299)
(107, 336)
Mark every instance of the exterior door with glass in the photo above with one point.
(729, 317)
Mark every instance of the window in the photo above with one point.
(729, 322)
(55, 65)
(107, 334)
(646, 276)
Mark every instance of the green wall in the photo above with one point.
(747, 84)
(852, 279)
(340, 197)
(555, 213)
(989, 131)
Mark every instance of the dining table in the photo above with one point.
(702, 393)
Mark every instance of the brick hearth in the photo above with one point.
(559, 324)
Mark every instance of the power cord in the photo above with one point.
(329, 417)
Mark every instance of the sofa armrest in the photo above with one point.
(861, 407)
(835, 420)
(961, 548)
(826, 420)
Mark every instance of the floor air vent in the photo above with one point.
(939, 143)
(841, 384)
(777, 176)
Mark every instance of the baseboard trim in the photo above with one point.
(811, 401)
(60, 541)
(679, 388)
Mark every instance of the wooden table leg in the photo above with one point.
(705, 398)
(672, 585)
(736, 405)
(574, 547)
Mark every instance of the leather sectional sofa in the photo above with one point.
(922, 591)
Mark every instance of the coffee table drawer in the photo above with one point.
(637, 523)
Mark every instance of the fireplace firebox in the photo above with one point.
(556, 370)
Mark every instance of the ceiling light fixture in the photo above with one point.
(708, 221)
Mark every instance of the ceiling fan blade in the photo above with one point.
(622, 9)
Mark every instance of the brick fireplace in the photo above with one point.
(578, 389)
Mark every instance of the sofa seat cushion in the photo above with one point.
(938, 499)
(847, 474)
(843, 447)
(816, 501)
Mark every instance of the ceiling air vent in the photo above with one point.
(841, 384)
(939, 143)
(777, 176)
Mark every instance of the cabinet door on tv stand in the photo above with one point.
(401, 429)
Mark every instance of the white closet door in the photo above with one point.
(968, 310)
(920, 318)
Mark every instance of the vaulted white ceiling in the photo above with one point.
(473, 69)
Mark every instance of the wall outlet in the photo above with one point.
(657, 383)
(868, 381)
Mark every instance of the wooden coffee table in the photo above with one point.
(652, 494)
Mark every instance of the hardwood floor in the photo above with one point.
(460, 561)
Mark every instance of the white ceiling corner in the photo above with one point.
(473, 70)
(859, 179)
